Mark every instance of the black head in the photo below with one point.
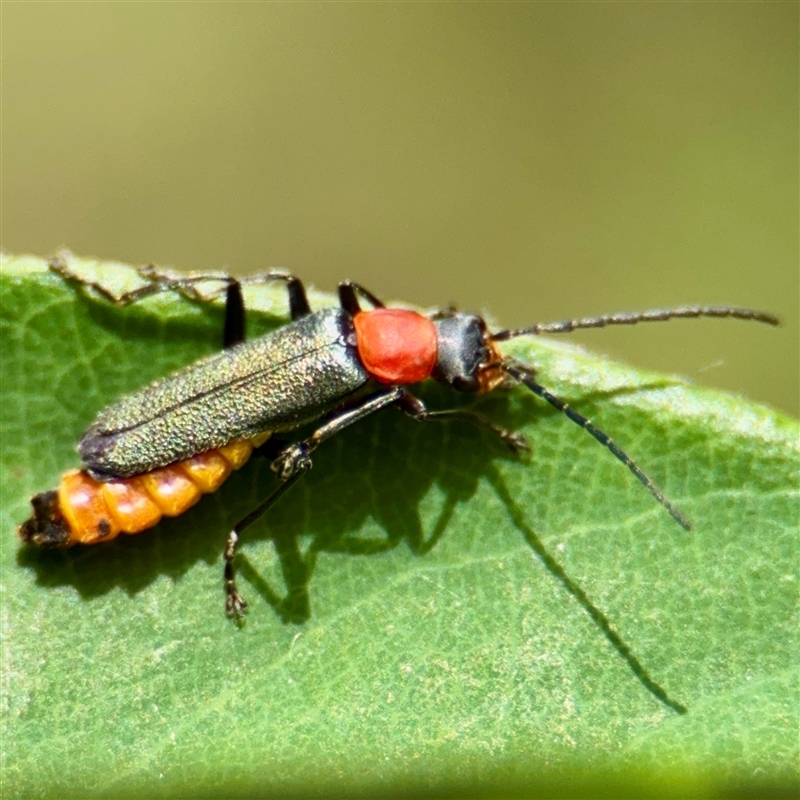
(467, 359)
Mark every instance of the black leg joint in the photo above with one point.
(348, 300)
(298, 302)
(348, 297)
(235, 329)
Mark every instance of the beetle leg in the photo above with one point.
(235, 604)
(297, 456)
(348, 297)
(416, 409)
(298, 302)
(157, 282)
(187, 285)
(234, 302)
(235, 329)
(293, 462)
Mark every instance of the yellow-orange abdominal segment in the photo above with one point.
(84, 508)
(172, 489)
(129, 504)
(99, 511)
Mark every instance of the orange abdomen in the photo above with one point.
(86, 511)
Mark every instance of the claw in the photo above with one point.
(292, 460)
(517, 442)
(235, 605)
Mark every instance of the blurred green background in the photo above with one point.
(534, 161)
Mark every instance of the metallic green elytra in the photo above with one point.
(276, 382)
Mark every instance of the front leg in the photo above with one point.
(297, 456)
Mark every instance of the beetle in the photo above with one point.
(155, 452)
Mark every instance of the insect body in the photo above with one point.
(158, 450)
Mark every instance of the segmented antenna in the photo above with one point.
(527, 378)
(631, 318)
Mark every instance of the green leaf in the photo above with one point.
(426, 610)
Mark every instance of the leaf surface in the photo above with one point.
(426, 610)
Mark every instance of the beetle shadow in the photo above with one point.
(395, 510)
(297, 565)
(341, 503)
(554, 567)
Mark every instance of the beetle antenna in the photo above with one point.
(523, 376)
(631, 318)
